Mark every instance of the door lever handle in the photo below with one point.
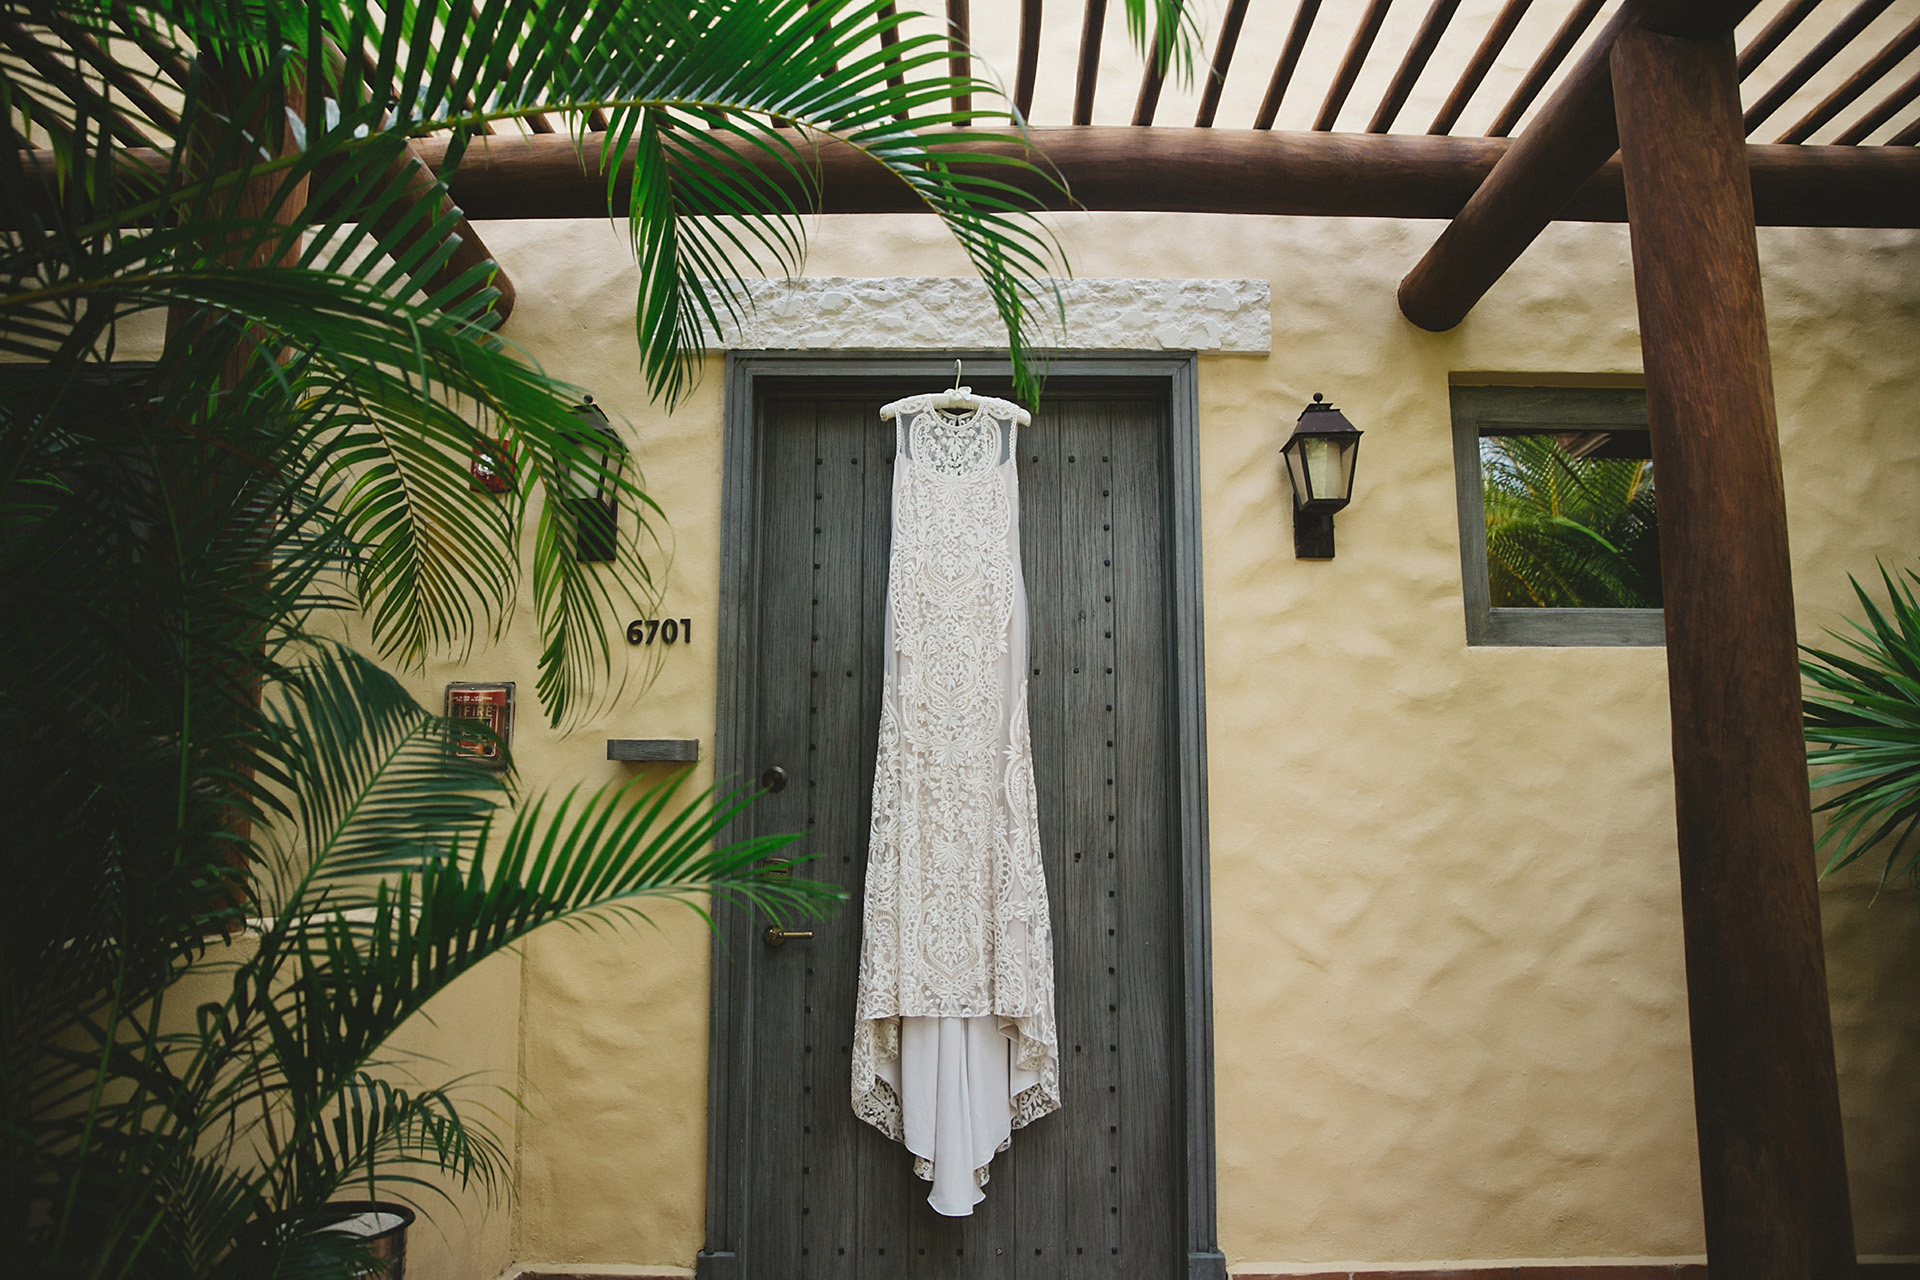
(775, 935)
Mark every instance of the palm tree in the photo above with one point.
(187, 755)
(1568, 530)
(1862, 711)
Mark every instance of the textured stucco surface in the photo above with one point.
(956, 314)
(1451, 1015)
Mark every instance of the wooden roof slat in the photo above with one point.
(1559, 152)
(538, 121)
(597, 120)
(1544, 66)
(1088, 76)
(367, 60)
(37, 54)
(118, 76)
(1029, 61)
(1836, 39)
(153, 46)
(1148, 100)
(1297, 33)
(959, 40)
(1357, 50)
(1570, 141)
(1856, 84)
(1425, 41)
(1482, 62)
(1906, 137)
(889, 37)
(1783, 25)
(1888, 107)
(1222, 59)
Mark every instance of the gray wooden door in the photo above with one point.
(1097, 1189)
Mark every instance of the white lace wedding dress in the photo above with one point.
(954, 1041)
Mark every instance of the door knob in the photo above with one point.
(775, 935)
(774, 779)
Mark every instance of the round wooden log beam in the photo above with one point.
(1773, 1178)
(1556, 157)
(469, 250)
(1098, 167)
(1179, 170)
(1254, 171)
(1534, 184)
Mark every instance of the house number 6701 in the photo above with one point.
(666, 631)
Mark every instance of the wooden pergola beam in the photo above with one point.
(1771, 36)
(416, 179)
(1222, 59)
(1122, 169)
(1029, 57)
(1152, 79)
(1349, 71)
(1828, 47)
(1886, 109)
(960, 46)
(1093, 24)
(889, 37)
(1856, 84)
(1767, 1108)
(1565, 146)
(45, 59)
(1568, 142)
(118, 76)
(1575, 25)
(413, 173)
(1284, 65)
(1418, 54)
(1477, 66)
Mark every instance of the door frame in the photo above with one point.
(730, 1014)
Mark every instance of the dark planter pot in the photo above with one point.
(382, 1225)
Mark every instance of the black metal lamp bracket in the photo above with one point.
(1312, 535)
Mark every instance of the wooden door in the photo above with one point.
(1098, 1188)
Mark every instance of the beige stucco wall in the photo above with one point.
(1450, 1012)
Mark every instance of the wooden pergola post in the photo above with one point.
(1773, 1176)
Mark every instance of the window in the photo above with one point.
(1558, 540)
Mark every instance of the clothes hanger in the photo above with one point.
(958, 397)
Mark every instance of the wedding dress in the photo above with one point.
(954, 1040)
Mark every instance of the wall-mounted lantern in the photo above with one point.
(1320, 457)
(589, 482)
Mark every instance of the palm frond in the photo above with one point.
(1864, 708)
(1565, 531)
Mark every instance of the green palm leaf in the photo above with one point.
(1863, 707)
(183, 753)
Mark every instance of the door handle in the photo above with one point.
(776, 936)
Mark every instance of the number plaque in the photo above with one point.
(661, 630)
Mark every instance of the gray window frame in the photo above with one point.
(1476, 408)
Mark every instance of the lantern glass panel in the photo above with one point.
(590, 476)
(1297, 474)
(1321, 470)
(1329, 468)
(582, 480)
(586, 475)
